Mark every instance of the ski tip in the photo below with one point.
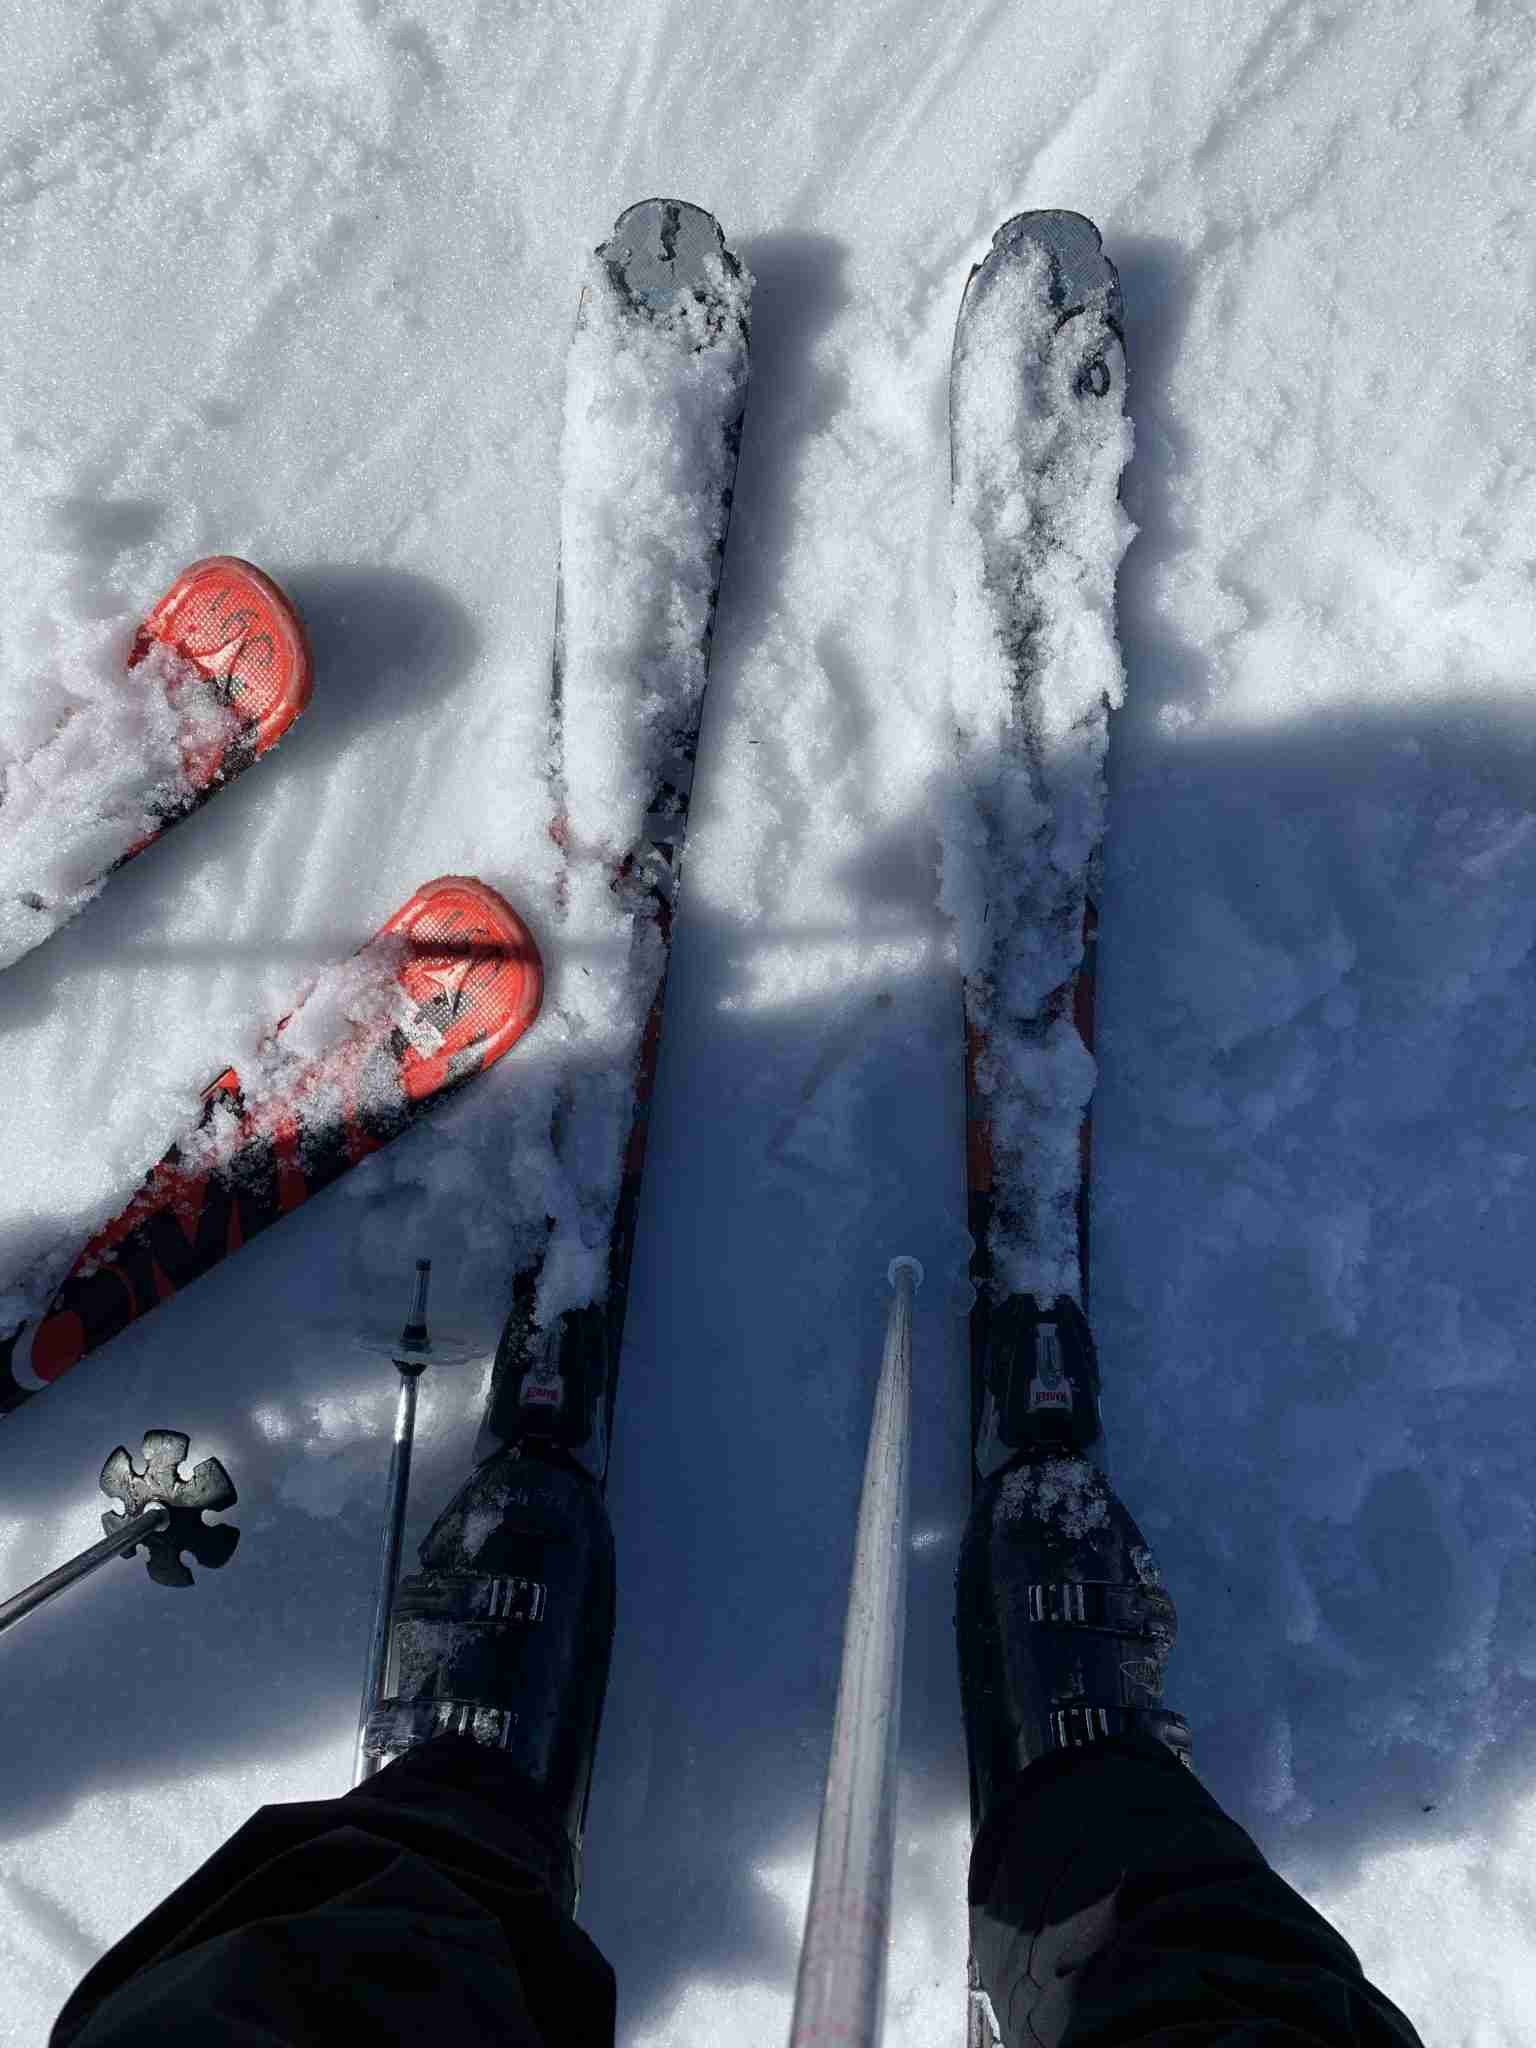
(242, 631)
(1079, 267)
(661, 249)
(475, 976)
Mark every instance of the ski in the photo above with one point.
(1038, 439)
(438, 995)
(655, 394)
(655, 398)
(217, 673)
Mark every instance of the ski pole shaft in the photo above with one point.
(136, 1527)
(841, 1986)
(412, 1338)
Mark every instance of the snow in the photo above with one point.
(298, 283)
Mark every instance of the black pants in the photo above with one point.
(1112, 1901)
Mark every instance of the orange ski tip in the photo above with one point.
(473, 961)
(240, 628)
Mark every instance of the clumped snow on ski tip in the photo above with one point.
(646, 461)
(1037, 533)
(92, 760)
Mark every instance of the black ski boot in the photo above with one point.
(506, 1632)
(1063, 1621)
(1064, 1629)
(1064, 1626)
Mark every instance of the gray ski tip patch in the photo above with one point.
(659, 248)
(1079, 267)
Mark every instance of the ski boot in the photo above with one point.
(505, 1634)
(1064, 1626)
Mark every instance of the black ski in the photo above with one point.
(1038, 534)
(668, 270)
(506, 1631)
(1038, 441)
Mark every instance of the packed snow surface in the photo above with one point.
(298, 282)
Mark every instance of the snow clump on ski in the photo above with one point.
(1039, 438)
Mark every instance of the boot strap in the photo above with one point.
(469, 1596)
(395, 1726)
(1124, 1610)
(1079, 1727)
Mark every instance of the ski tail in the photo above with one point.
(438, 995)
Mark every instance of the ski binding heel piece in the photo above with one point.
(1040, 1386)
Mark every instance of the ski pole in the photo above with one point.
(840, 1991)
(413, 1354)
(164, 1512)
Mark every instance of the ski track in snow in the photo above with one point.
(296, 282)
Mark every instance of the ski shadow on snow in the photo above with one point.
(387, 643)
(800, 289)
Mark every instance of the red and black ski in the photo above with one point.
(448, 986)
